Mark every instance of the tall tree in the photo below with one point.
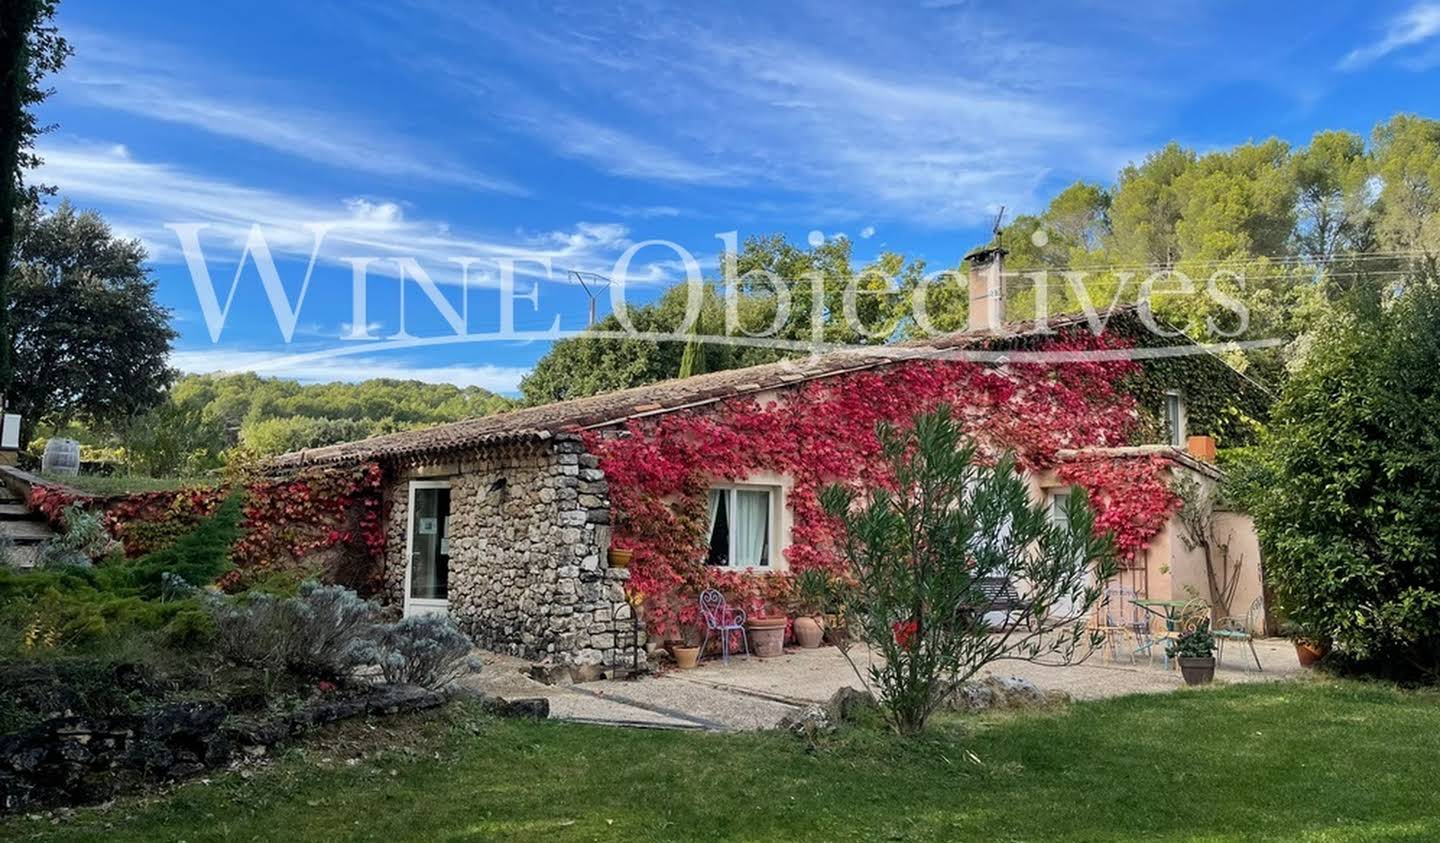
(30, 49)
(1237, 204)
(1407, 159)
(1332, 178)
(1147, 206)
(92, 344)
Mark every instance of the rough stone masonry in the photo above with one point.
(529, 541)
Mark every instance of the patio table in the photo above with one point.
(1169, 612)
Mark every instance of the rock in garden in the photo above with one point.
(999, 693)
(1018, 693)
(390, 699)
(808, 722)
(191, 719)
(534, 708)
(846, 704)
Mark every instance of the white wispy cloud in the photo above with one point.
(935, 135)
(867, 232)
(140, 197)
(1415, 26)
(503, 379)
(159, 83)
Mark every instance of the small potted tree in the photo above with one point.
(687, 650)
(1195, 650)
(1310, 646)
(807, 600)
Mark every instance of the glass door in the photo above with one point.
(427, 586)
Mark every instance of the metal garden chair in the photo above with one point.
(1121, 621)
(723, 621)
(1195, 612)
(1238, 629)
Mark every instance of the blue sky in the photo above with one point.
(436, 130)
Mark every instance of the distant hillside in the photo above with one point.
(207, 415)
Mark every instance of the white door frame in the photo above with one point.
(419, 607)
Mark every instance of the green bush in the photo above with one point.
(1345, 487)
(923, 551)
(78, 606)
(321, 632)
(198, 557)
(425, 650)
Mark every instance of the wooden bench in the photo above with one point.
(1000, 595)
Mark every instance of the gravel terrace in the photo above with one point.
(756, 693)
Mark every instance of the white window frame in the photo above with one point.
(773, 523)
(1178, 431)
(420, 606)
(1057, 505)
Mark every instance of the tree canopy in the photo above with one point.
(91, 343)
(204, 418)
(31, 48)
(1346, 483)
(1284, 231)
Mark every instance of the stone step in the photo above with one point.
(26, 532)
(18, 512)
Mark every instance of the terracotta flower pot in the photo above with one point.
(1197, 670)
(620, 557)
(767, 636)
(686, 657)
(1308, 652)
(809, 632)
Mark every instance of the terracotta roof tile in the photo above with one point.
(568, 417)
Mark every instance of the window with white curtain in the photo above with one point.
(740, 526)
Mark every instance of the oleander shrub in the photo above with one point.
(923, 549)
(425, 650)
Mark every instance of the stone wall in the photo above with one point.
(529, 539)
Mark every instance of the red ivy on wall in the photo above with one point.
(823, 432)
(1131, 498)
(285, 523)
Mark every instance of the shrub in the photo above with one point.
(198, 557)
(1346, 484)
(321, 632)
(84, 540)
(1198, 643)
(425, 650)
(922, 549)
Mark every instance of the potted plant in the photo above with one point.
(1195, 650)
(1310, 646)
(807, 601)
(767, 632)
(620, 557)
(837, 623)
(687, 651)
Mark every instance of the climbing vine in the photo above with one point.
(325, 522)
(824, 431)
(1132, 500)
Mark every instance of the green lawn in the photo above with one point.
(125, 484)
(1309, 761)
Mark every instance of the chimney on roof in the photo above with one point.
(987, 290)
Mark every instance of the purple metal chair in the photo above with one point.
(722, 621)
